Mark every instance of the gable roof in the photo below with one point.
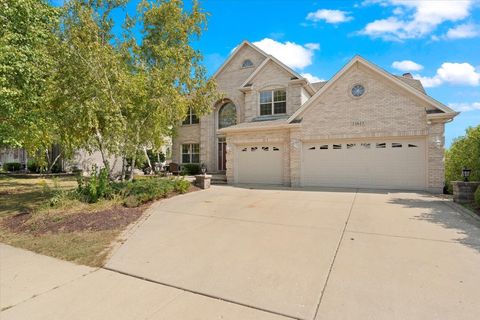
(357, 59)
(262, 65)
(237, 49)
(417, 84)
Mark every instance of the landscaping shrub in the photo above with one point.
(33, 166)
(182, 185)
(477, 197)
(141, 191)
(11, 166)
(190, 169)
(145, 190)
(133, 193)
(95, 187)
(464, 152)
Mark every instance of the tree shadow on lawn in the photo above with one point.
(24, 202)
(439, 213)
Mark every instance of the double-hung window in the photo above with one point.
(273, 102)
(191, 118)
(191, 153)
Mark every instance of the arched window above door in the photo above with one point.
(227, 115)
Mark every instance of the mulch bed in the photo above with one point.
(110, 219)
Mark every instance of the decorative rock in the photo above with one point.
(203, 181)
(463, 192)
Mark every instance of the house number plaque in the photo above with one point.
(358, 123)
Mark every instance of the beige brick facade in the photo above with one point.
(386, 110)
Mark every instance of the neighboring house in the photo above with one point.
(13, 155)
(363, 128)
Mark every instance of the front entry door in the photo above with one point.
(222, 154)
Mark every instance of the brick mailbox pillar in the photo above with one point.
(463, 192)
(203, 181)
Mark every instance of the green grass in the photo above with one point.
(20, 195)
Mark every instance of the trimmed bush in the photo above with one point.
(182, 185)
(33, 166)
(140, 191)
(11, 166)
(190, 169)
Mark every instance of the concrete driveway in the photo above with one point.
(237, 253)
(313, 254)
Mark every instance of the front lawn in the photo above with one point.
(56, 218)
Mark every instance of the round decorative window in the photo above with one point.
(358, 90)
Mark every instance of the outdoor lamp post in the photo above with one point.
(466, 173)
(203, 168)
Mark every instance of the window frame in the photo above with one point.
(272, 102)
(247, 63)
(219, 112)
(189, 119)
(190, 152)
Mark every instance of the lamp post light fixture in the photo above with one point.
(466, 173)
(203, 168)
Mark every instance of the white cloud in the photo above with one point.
(311, 78)
(463, 31)
(416, 18)
(407, 65)
(452, 73)
(465, 106)
(329, 16)
(292, 54)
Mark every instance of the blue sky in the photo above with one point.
(437, 41)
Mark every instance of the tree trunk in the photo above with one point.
(134, 157)
(50, 167)
(134, 160)
(124, 164)
(148, 159)
(105, 161)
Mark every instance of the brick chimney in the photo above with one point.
(408, 75)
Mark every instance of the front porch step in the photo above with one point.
(218, 178)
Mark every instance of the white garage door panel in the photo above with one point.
(371, 163)
(259, 164)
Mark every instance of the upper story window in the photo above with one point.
(227, 115)
(191, 118)
(247, 63)
(273, 102)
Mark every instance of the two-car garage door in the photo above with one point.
(393, 164)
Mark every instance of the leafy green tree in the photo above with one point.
(464, 152)
(166, 75)
(26, 63)
(87, 89)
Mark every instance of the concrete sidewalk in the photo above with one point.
(39, 287)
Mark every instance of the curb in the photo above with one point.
(462, 210)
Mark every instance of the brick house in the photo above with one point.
(363, 128)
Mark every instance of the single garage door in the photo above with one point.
(259, 164)
(390, 164)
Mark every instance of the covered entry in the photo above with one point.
(259, 163)
(379, 163)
